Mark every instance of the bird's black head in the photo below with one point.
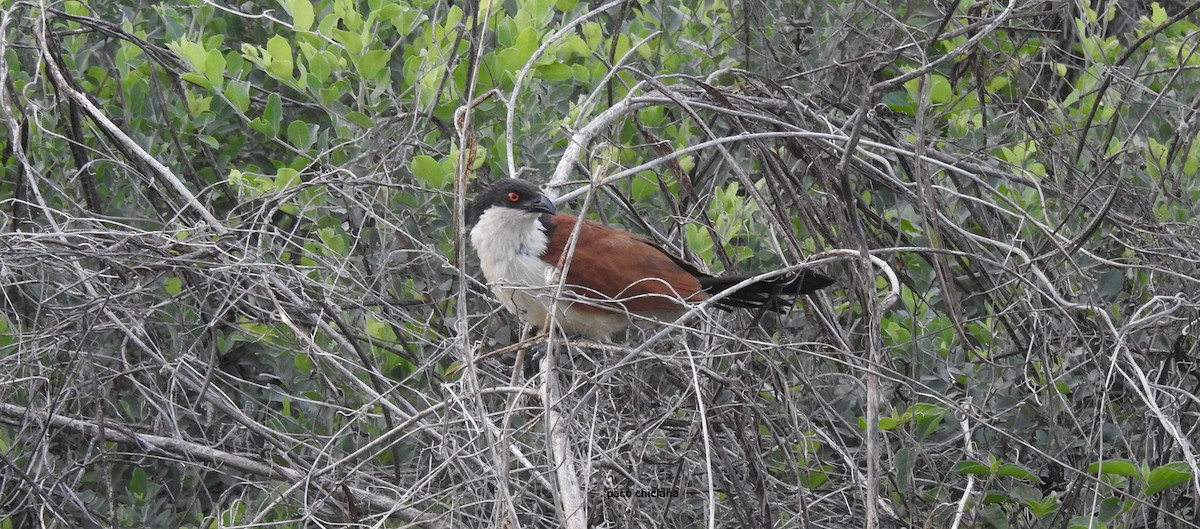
(510, 193)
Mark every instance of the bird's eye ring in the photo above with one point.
(513, 196)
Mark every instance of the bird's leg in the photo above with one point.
(543, 336)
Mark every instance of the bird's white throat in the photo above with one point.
(504, 233)
(510, 243)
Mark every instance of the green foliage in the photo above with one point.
(430, 172)
(1167, 476)
(925, 417)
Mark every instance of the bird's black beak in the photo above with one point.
(541, 204)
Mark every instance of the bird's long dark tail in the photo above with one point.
(776, 294)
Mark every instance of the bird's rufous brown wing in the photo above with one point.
(611, 264)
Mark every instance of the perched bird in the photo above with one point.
(613, 278)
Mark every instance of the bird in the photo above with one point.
(613, 277)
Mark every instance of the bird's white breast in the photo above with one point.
(510, 243)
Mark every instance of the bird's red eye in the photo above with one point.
(513, 196)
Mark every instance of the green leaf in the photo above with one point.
(1158, 15)
(993, 496)
(623, 45)
(506, 33)
(554, 72)
(922, 410)
(238, 93)
(261, 126)
(938, 86)
(380, 329)
(511, 60)
(1084, 522)
(139, 483)
(940, 90)
(298, 135)
(348, 39)
(996, 516)
(480, 158)
(197, 104)
(581, 73)
(303, 362)
(191, 52)
(1110, 508)
(302, 13)
(928, 417)
(972, 467)
(281, 63)
(1110, 284)
(896, 332)
(6, 339)
(334, 239)
(527, 42)
(1191, 165)
(1010, 470)
(1042, 508)
(700, 242)
(173, 285)
(454, 15)
(373, 62)
(196, 79)
(214, 69)
(429, 172)
(1167, 476)
(273, 114)
(360, 119)
(285, 178)
(321, 65)
(1121, 467)
(328, 24)
(593, 33)
(75, 8)
(453, 372)
(401, 16)
(641, 187)
(811, 479)
(514, 58)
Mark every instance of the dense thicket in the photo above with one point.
(236, 294)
